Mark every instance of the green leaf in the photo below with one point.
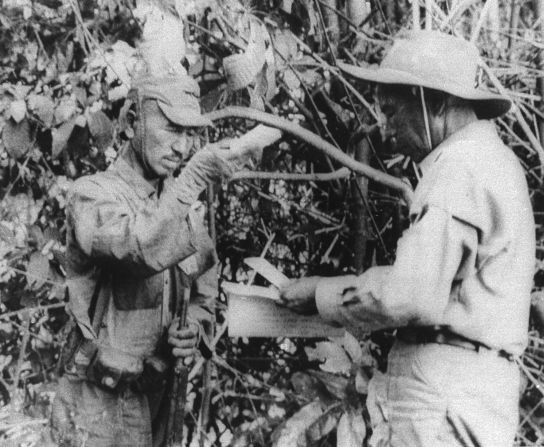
(351, 430)
(61, 137)
(324, 424)
(336, 385)
(65, 110)
(293, 432)
(101, 129)
(6, 234)
(291, 80)
(37, 269)
(332, 354)
(43, 107)
(351, 345)
(17, 110)
(304, 385)
(16, 138)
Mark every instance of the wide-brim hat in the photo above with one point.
(438, 61)
(177, 97)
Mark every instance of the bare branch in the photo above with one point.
(317, 142)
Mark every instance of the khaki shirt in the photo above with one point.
(123, 236)
(467, 260)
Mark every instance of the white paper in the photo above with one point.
(250, 314)
(247, 290)
(267, 271)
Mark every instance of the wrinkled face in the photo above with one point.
(167, 145)
(403, 126)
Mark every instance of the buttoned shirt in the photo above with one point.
(121, 238)
(467, 260)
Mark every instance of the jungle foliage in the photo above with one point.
(64, 71)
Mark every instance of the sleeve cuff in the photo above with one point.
(328, 297)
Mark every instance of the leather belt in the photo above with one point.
(443, 336)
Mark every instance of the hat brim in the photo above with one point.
(188, 118)
(487, 105)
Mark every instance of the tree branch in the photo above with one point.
(318, 177)
(317, 142)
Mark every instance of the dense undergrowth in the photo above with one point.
(64, 71)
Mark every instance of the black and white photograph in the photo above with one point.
(271, 223)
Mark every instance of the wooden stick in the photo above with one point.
(292, 177)
(318, 143)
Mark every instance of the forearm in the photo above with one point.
(145, 241)
(361, 301)
(208, 165)
(413, 291)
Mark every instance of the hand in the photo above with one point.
(299, 295)
(252, 143)
(183, 341)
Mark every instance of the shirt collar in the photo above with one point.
(140, 185)
(465, 133)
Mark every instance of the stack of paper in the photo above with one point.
(253, 311)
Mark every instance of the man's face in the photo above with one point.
(167, 146)
(403, 126)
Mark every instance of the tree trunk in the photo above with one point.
(539, 14)
(332, 24)
(514, 23)
(360, 211)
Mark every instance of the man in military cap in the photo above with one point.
(459, 289)
(136, 238)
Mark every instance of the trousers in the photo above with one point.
(437, 395)
(84, 414)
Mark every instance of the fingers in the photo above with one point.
(185, 354)
(183, 341)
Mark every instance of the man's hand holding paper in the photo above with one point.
(299, 295)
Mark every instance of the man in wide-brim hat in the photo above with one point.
(459, 290)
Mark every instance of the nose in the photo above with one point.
(180, 147)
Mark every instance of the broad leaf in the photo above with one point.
(101, 129)
(324, 424)
(351, 430)
(335, 384)
(304, 385)
(333, 355)
(37, 269)
(16, 138)
(43, 107)
(351, 345)
(17, 110)
(293, 432)
(60, 137)
(65, 110)
(6, 234)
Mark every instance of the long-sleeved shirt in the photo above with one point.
(467, 260)
(122, 236)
